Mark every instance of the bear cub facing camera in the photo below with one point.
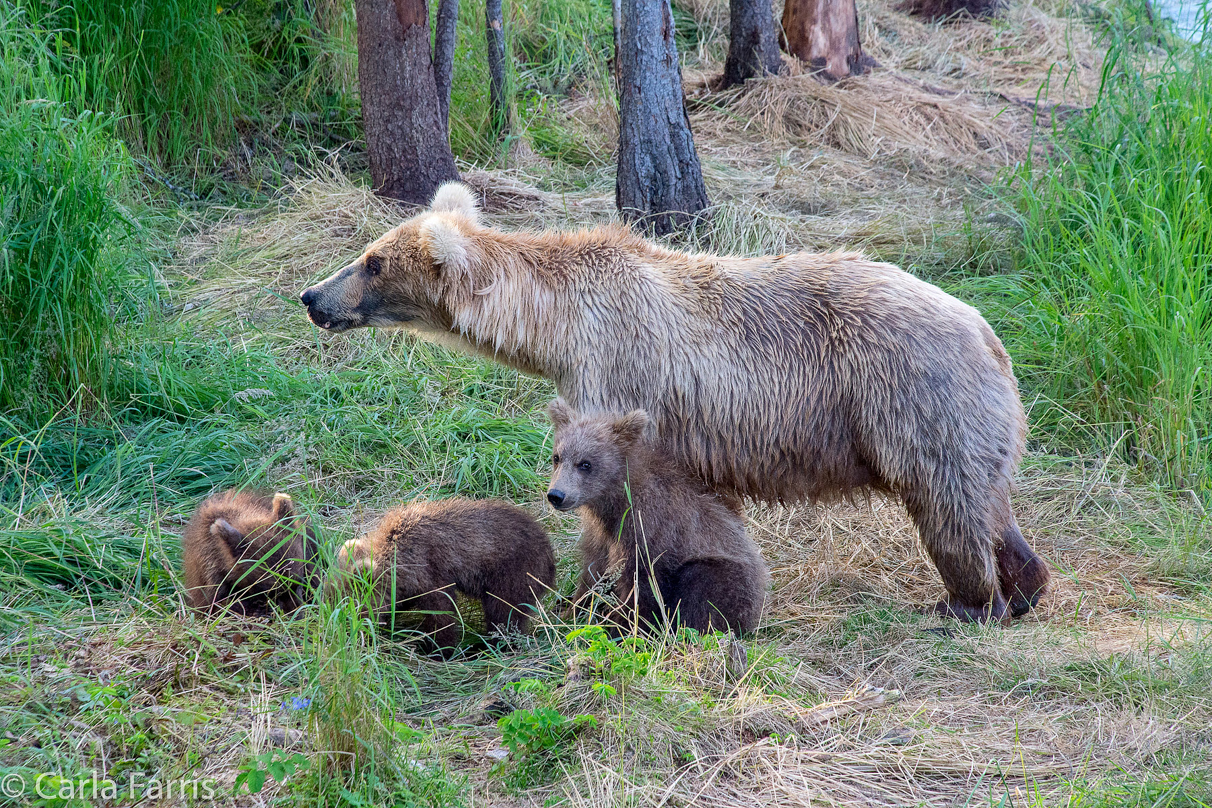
(646, 519)
(248, 551)
(419, 553)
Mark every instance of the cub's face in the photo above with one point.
(406, 277)
(589, 461)
(354, 565)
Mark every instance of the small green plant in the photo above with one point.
(627, 658)
(275, 763)
(542, 729)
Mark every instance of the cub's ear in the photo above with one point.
(283, 508)
(446, 244)
(455, 197)
(560, 413)
(221, 529)
(630, 427)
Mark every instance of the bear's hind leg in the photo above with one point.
(440, 622)
(1023, 575)
(716, 593)
(959, 541)
(500, 615)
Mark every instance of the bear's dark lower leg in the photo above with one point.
(440, 622)
(499, 615)
(718, 594)
(1023, 575)
(960, 544)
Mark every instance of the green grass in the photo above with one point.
(1108, 311)
(176, 71)
(65, 251)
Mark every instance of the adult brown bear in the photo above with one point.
(781, 378)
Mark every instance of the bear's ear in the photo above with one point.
(455, 197)
(560, 413)
(222, 530)
(630, 427)
(446, 244)
(283, 508)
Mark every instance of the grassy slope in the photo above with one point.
(1099, 698)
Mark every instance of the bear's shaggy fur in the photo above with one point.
(246, 550)
(646, 520)
(782, 378)
(418, 553)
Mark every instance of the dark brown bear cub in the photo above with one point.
(484, 549)
(248, 551)
(646, 519)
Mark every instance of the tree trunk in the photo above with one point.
(659, 180)
(753, 49)
(824, 35)
(405, 137)
(445, 38)
(498, 80)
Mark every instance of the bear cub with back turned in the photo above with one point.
(248, 551)
(484, 549)
(646, 519)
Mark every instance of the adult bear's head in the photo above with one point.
(412, 276)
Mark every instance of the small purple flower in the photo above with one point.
(296, 703)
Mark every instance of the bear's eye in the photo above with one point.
(374, 265)
(555, 460)
(585, 466)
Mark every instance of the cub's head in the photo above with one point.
(250, 520)
(410, 276)
(354, 568)
(589, 463)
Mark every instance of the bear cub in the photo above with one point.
(484, 549)
(644, 519)
(248, 551)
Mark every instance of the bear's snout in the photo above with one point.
(309, 296)
(556, 497)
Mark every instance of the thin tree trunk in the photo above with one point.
(659, 180)
(498, 79)
(753, 49)
(824, 35)
(409, 152)
(445, 38)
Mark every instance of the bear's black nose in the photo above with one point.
(556, 497)
(308, 296)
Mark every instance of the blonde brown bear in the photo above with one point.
(781, 378)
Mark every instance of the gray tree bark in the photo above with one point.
(659, 181)
(753, 48)
(444, 40)
(405, 136)
(824, 35)
(498, 77)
